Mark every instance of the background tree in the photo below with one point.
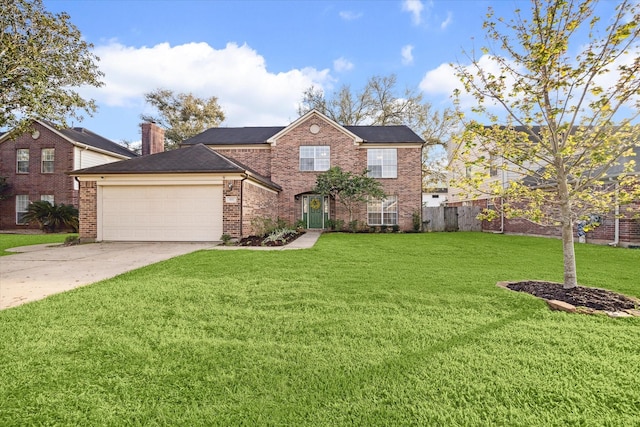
(348, 189)
(573, 104)
(183, 115)
(382, 103)
(42, 59)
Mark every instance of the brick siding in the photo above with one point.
(35, 183)
(258, 203)
(88, 210)
(285, 170)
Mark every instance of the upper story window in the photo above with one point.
(22, 160)
(382, 162)
(314, 157)
(48, 157)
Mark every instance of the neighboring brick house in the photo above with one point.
(34, 165)
(621, 226)
(223, 179)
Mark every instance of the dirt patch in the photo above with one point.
(580, 296)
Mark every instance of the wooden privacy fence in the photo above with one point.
(462, 218)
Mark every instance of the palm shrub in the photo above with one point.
(51, 217)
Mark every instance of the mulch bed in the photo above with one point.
(259, 240)
(580, 296)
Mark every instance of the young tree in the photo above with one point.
(43, 58)
(570, 108)
(381, 103)
(347, 188)
(182, 115)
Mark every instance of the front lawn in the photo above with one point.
(402, 329)
(8, 241)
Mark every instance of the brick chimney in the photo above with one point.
(152, 138)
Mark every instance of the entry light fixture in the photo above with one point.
(230, 185)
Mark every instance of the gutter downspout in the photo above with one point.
(616, 221)
(242, 204)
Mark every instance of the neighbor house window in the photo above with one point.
(314, 157)
(493, 165)
(22, 162)
(48, 156)
(382, 162)
(383, 212)
(47, 198)
(22, 205)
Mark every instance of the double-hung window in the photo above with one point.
(314, 157)
(382, 162)
(383, 212)
(47, 198)
(22, 160)
(22, 206)
(48, 157)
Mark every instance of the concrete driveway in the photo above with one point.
(42, 270)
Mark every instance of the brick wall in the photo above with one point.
(259, 160)
(629, 226)
(35, 183)
(88, 211)
(258, 203)
(231, 208)
(285, 170)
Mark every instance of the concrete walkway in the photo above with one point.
(41, 270)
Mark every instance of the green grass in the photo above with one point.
(8, 241)
(390, 330)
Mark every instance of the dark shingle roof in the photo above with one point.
(197, 158)
(260, 135)
(85, 136)
(194, 159)
(381, 134)
(231, 136)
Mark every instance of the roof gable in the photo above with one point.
(83, 138)
(305, 117)
(230, 136)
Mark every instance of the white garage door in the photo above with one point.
(161, 213)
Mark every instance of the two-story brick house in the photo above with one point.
(34, 165)
(223, 179)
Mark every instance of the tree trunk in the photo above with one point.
(568, 252)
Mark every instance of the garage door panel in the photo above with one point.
(162, 213)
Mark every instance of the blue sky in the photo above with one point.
(257, 57)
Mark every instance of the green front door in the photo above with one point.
(316, 212)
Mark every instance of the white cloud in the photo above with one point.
(407, 54)
(348, 15)
(342, 64)
(442, 81)
(414, 7)
(444, 24)
(237, 75)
